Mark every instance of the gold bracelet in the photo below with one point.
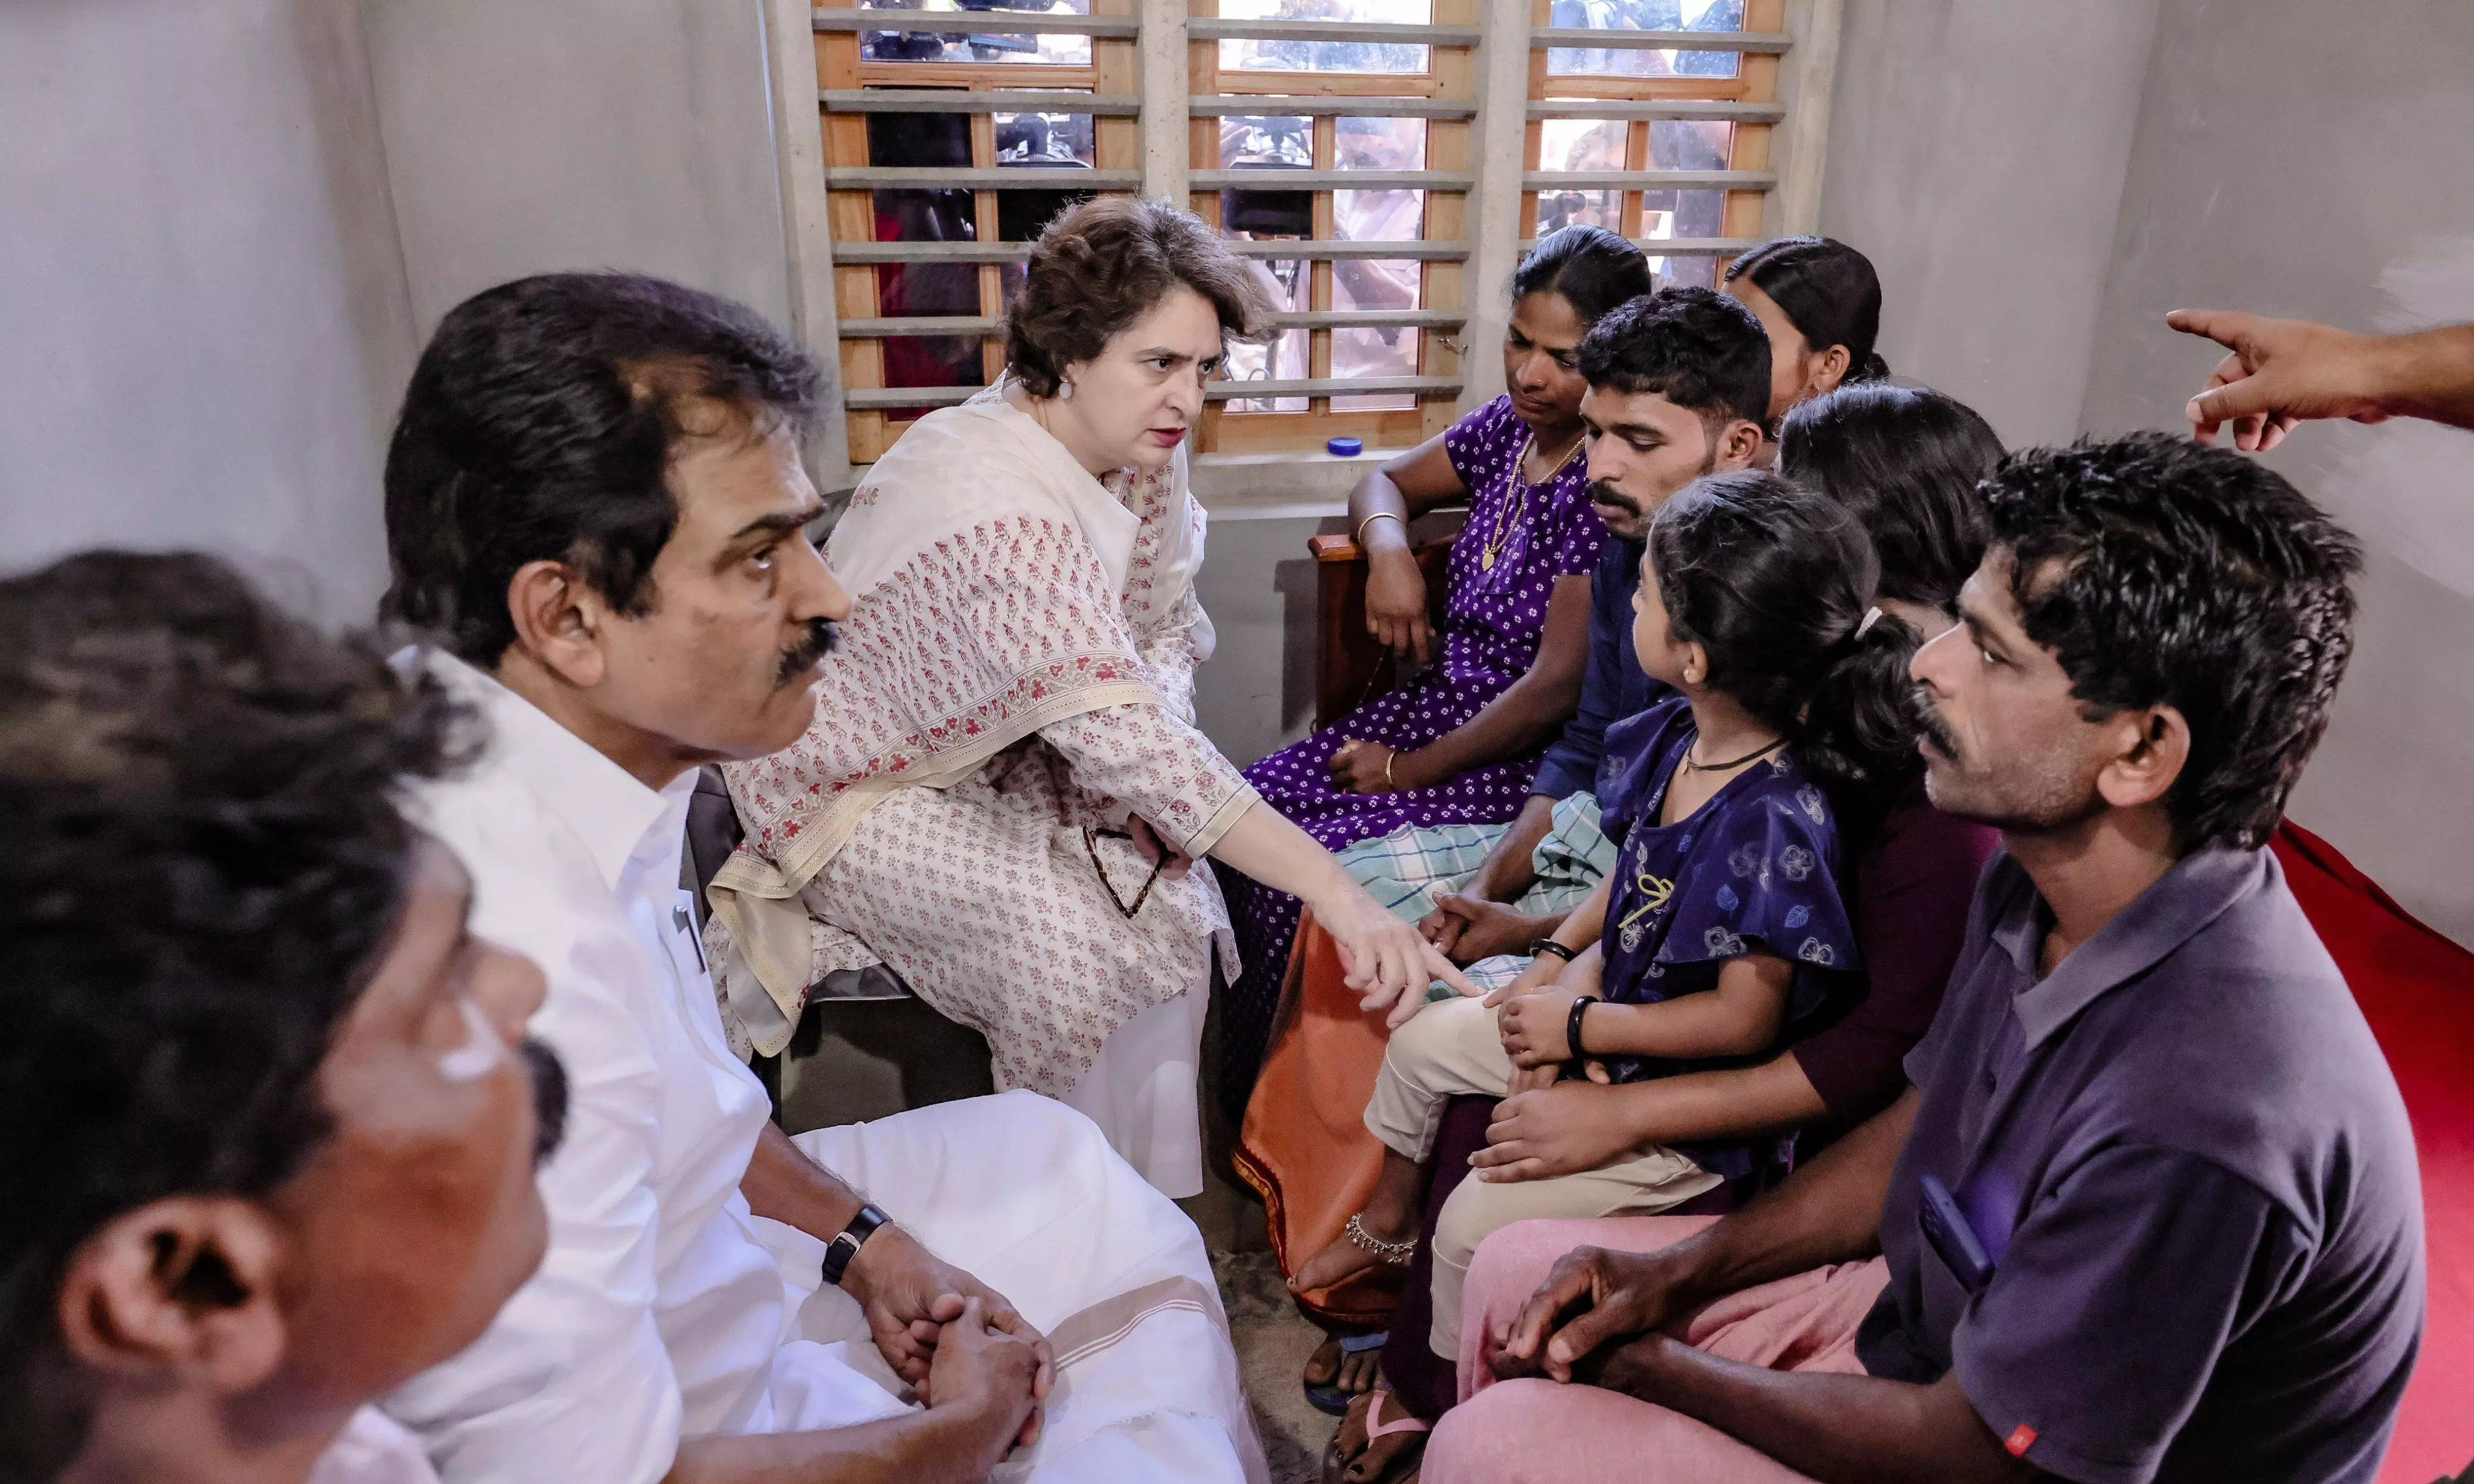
(1379, 514)
(1389, 758)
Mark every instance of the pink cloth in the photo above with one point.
(1537, 1429)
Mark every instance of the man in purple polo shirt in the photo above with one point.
(2149, 1209)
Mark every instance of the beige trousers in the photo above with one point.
(1451, 1050)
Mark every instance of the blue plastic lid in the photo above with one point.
(1345, 447)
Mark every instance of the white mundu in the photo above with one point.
(666, 1307)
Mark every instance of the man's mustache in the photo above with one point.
(799, 657)
(1605, 494)
(549, 1098)
(1929, 720)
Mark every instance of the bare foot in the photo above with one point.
(1345, 1258)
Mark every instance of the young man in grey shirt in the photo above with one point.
(2149, 1209)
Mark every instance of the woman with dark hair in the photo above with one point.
(1906, 460)
(1821, 302)
(1004, 786)
(1460, 744)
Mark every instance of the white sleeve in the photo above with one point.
(571, 1381)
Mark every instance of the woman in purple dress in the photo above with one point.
(1459, 743)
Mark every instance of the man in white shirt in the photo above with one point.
(594, 497)
(264, 1153)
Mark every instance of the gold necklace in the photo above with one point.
(1504, 522)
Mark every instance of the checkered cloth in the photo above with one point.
(1407, 867)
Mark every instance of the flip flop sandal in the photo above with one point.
(1328, 1399)
(1335, 1468)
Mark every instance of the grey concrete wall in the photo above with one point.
(203, 315)
(2306, 162)
(580, 133)
(1976, 154)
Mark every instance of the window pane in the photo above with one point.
(1580, 144)
(1683, 214)
(1269, 144)
(1285, 357)
(1723, 16)
(1380, 215)
(1690, 144)
(1369, 351)
(968, 43)
(1045, 141)
(1380, 57)
(1040, 141)
(926, 141)
(1698, 271)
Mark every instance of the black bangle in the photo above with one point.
(1552, 949)
(1572, 1026)
(847, 1244)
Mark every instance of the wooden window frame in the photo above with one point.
(1445, 96)
(1157, 133)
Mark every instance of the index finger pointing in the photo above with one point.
(2227, 327)
(1440, 967)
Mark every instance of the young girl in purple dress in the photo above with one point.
(1722, 934)
(1459, 743)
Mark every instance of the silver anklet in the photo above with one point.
(1397, 1254)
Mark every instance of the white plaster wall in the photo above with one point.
(2303, 162)
(546, 134)
(203, 314)
(1976, 155)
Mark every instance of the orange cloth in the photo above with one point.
(1312, 1160)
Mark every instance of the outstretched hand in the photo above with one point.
(1384, 958)
(2280, 373)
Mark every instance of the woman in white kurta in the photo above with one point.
(1004, 786)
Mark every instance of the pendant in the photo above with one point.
(1485, 561)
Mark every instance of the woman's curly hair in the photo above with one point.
(1106, 262)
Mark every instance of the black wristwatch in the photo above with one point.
(1552, 949)
(846, 1243)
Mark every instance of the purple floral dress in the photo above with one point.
(1493, 619)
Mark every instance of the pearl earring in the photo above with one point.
(1064, 390)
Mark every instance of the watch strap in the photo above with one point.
(848, 1241)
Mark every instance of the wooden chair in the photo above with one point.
(1352, 669)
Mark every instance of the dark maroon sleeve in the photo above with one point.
(1912, 891)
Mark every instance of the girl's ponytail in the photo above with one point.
(1775, 581)
(1858, 732)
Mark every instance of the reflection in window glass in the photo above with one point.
(926, 141)
(1573, 144)
(1375, 56)
(1721, 15)
(1689, 213)
(1285, 357)
(1267, 144)
(1684, 213)
(969, 42)
(1380, 143)
(1048, 141)
(1580, 144)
